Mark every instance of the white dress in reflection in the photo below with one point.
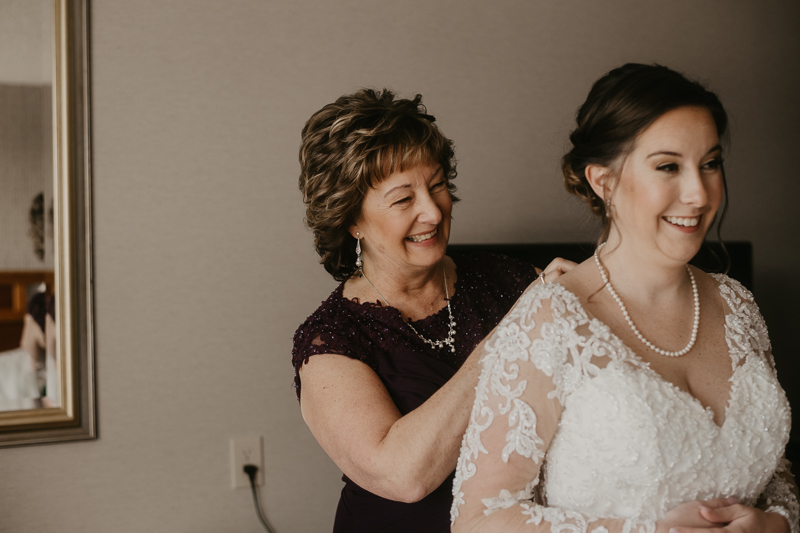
(18, 385)
(562, 399)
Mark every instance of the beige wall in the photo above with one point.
(203, 268)
(26, 42)
(26, 170)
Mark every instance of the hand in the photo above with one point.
(736, 518)
(556, 267)
(688, 517)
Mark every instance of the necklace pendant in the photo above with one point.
(450, 340)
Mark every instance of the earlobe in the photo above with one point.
(597, 176)
(354, 231)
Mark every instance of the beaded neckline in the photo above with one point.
(450, 339)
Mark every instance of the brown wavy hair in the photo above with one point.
(353, 144)
(620, 106)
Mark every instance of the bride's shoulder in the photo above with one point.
(725, 286)
(554, 297)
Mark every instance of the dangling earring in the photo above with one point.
(359, 257)
(609, 203)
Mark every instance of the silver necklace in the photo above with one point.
(451, 335)
(646, 342)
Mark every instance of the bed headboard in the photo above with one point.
(540, 254)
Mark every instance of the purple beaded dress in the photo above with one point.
(412, 371)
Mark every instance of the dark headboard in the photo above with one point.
(540, 254)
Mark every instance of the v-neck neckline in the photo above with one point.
(632, 357)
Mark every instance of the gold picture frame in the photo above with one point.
(74, 417)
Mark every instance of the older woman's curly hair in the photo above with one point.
(353, 144)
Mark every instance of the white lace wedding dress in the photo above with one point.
(562, 400)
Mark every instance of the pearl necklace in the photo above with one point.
(451, 335)
(646, 342)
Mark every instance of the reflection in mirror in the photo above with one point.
(46, 355)
(26, 205)
(29, 368)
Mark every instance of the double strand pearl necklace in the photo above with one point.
(451, 335)
(633, 326)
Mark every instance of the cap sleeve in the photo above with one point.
(332, 329)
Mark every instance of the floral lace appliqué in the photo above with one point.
(629, 443)
(780, 498)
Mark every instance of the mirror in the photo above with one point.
(46, 338)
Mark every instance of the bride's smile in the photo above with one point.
(669, 188)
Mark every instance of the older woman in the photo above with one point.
(383, 371)
(638, 394)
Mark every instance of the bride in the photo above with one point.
(638, 394)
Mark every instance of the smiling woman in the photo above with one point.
(638, 394)
(675, 172)
(383, 366)
(407, 217)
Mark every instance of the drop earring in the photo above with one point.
(359, 257)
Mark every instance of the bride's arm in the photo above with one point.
(517, 409)
(781, 494)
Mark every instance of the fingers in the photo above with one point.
(554, 270)
(551, 275)
(698, 530)
(725, 514)
(719, 502)
(688, 518)
(719, 510)
(559, 266)
(718, 515)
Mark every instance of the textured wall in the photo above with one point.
(203, 268)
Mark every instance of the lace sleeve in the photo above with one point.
(531, 362)
(781, 496)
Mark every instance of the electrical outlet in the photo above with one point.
(246, 450)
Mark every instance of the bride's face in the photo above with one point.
(670, 186)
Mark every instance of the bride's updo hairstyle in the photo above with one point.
(620, 106)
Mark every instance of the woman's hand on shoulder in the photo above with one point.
(724, 516)
(555, 269)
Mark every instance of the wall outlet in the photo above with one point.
(246, 450)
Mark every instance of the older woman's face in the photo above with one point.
(670, 186)
(405, 221)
